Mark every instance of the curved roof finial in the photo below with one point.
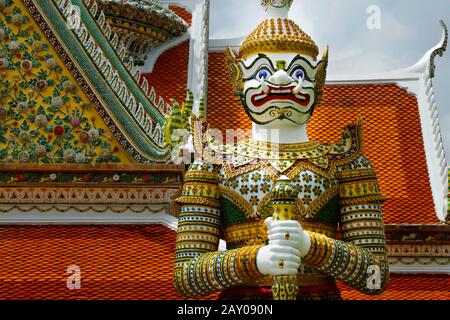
(427, 60)
(439, 49)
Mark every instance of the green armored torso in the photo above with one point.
(245, 183)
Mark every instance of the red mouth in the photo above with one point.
(281, 93)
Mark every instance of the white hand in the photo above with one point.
(287, 244)
(277, 260)
(288, 233)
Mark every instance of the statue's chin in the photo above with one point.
(274, 121)
(284, 123)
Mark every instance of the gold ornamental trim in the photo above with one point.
(303, 280)
(363, 200)
(247, 233)
(318, 203)
(249, 155)
(201, 176)
(44, 208)
(86, 196)
(186, 200)
(360, 174)
(255, 232)
(303, 212)
(328, 230)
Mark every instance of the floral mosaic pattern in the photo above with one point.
(311, 186)
(255, 185)
(44, 116)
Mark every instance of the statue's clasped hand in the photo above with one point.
(288, 243)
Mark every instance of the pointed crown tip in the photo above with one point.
(276, 4)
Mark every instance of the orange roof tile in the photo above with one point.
(221, 95)
(407, 287)
(182, 13)
(392, 132)
(170, 74)
(133, 262)
(116, 262)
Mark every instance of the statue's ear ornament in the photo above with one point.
(321, 75)
(235, 72)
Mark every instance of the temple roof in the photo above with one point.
(407, 287)
(116, 262)
(76, 124)
(61, 193)
(128, 262)
(170, 73)
(182, 13)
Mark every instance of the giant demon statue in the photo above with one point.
(296, 214)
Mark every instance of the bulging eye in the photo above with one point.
(298, 74)
(263, 74)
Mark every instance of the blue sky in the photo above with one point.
(408, 29)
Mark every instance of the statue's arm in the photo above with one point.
(360, 259)
(200, 268)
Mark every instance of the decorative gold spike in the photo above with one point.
(283, 200)
(321, 75)
(235, 72)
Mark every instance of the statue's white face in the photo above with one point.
(278, 88)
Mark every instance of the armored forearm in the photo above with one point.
(199, 267)
(360, 259)
(215, 271)
(348, 262)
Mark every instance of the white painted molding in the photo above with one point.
(153, 55)
(374, 78)
(219, 45)
(416, 268)
(434, 146)
(432, 138)
(198, 53)
(198, 48)
(73, 217)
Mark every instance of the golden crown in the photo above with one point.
(277, 33)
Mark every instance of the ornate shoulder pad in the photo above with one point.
(202, 171)
(200, 185)
(351, 147)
